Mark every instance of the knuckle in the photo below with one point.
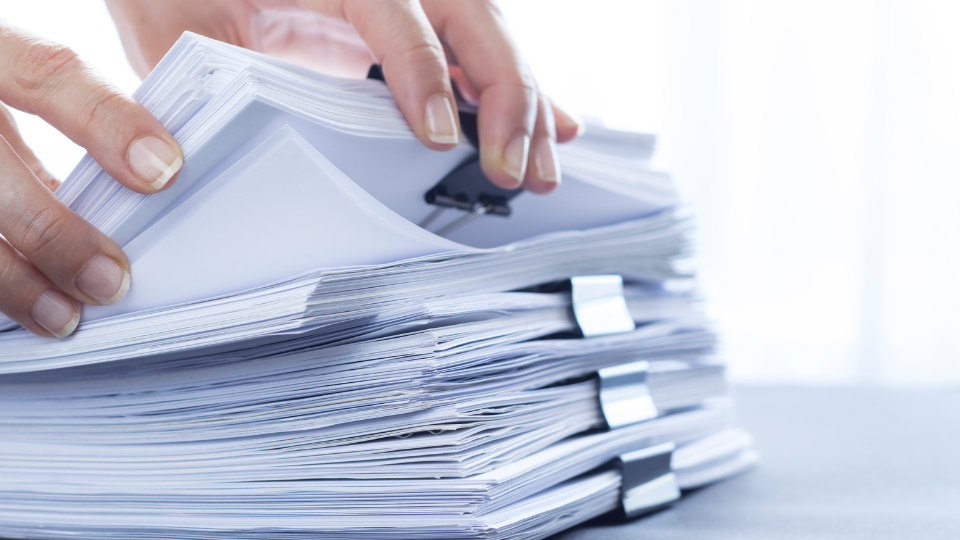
(520, 83)
(422, 51)
(8, 272)
(42, 63)
(15, 282)
(96, 110)
(43, 231)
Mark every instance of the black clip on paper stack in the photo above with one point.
(465, 188)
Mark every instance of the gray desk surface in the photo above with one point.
(835, 463)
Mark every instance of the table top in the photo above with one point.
(845, 463)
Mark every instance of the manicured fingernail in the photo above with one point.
(441, 125)
(104, 280)
(56, 313)
(153, 161)
(546, 161)
(515, 157)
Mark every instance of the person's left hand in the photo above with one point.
(51, 260)
(421, 46)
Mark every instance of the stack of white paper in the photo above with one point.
(298, 357)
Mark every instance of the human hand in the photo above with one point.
(51, 260)
(413, 41)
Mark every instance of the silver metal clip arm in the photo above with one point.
(599, 306)
(624, 396)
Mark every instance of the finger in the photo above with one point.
(52, 82)
(569, 125)
(463, 86)
(543, 172)
(148, 29)
(9, 131)
(329, 45)
(80, 260)
(477, 34)
(30, 299)
(414, 66)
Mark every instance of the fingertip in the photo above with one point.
(508, 167)
(441, 122)
(543, 173)
(568, 133)
(56, 313)
(104, 279)
(540, 187)
(155, 163)
(514, 157)
(568, 125)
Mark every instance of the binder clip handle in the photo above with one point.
(648, 481)
(464, 188)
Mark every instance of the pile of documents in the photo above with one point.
(334, 332)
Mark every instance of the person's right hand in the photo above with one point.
(51, 260)
(420, 44)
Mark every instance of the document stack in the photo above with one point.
(334, 332)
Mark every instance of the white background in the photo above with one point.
(818, 140)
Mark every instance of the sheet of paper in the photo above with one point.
(281, 211)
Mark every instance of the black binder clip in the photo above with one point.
(648, 481)
(465, 188)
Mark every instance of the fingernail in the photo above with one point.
(104, 280)
(56, 313)
(441, 125)
(515, 157)
(153, 161)
(546, 161)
